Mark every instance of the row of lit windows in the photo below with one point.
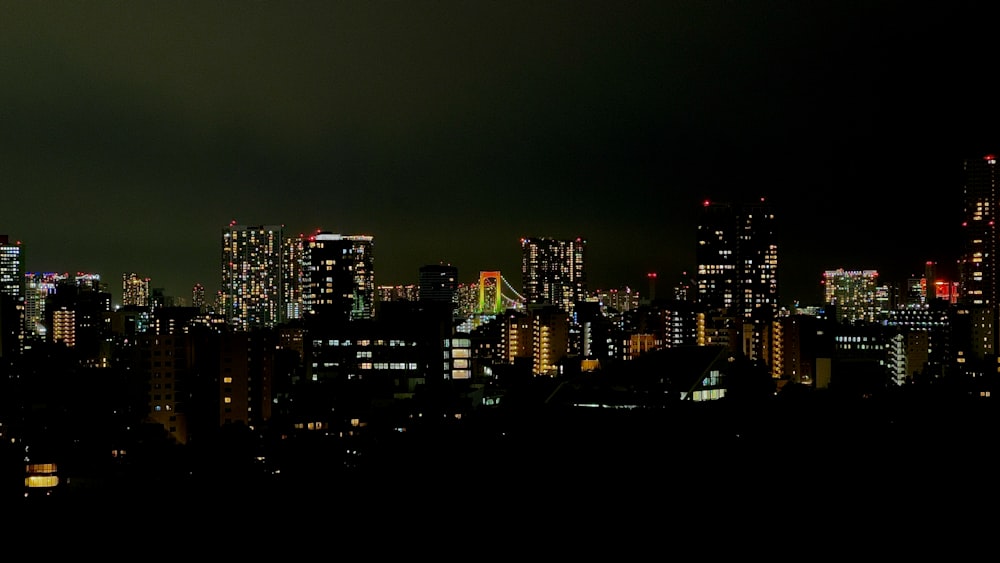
(363, 343)
(412, 366)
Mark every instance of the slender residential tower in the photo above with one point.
(12, 285)
(978, 263)
(250, 292)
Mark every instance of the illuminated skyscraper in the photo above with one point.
(38, 287)
(737, 258)
(250, 292)
(11, 268)
(553, 271)
(291, 276)
(338, 276)
(12, 321)
(978, 263)
(198, 296)
(853, 294)
(75, 315)
(135, 290)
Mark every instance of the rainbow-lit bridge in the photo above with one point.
(492, 300)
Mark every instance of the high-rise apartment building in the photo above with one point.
(135, 290)
(12, 314)
(251, 288)
(978, 262)
(38, 287)
(77, 315)
(198, 296)
(291, 276)
(338, 276)
(11, 268)
(853, 294)
(737, 257)
(550, 340)
(553, 271)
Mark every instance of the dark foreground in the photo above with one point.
(797, 471)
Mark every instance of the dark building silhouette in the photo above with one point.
(438, 282)
(737, 257)
(78, 316)
(978, 265)
(338, 276)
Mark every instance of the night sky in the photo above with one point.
(131, 133)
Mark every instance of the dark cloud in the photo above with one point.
(130, 134)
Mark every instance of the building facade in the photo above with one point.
(438, 282)
(12, 291)
(135, 290)
(737, 257)
(553, 271)
(251, 288)
(338, 276)
(38, 287)
(978, 261)
(854, 295)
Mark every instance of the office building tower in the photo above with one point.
(38, 287)
(438, 282)
(250, 290)
(12, 290)
(135, 290)
(737, 257)
(338, 276)
(553, 271)
(978, 261)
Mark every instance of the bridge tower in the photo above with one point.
(490, 280)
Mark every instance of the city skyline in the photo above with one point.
(133, 133)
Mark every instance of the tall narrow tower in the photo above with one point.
(250, 292)
(12, 283)
(978, 263)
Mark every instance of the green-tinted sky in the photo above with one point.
(132, 132)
